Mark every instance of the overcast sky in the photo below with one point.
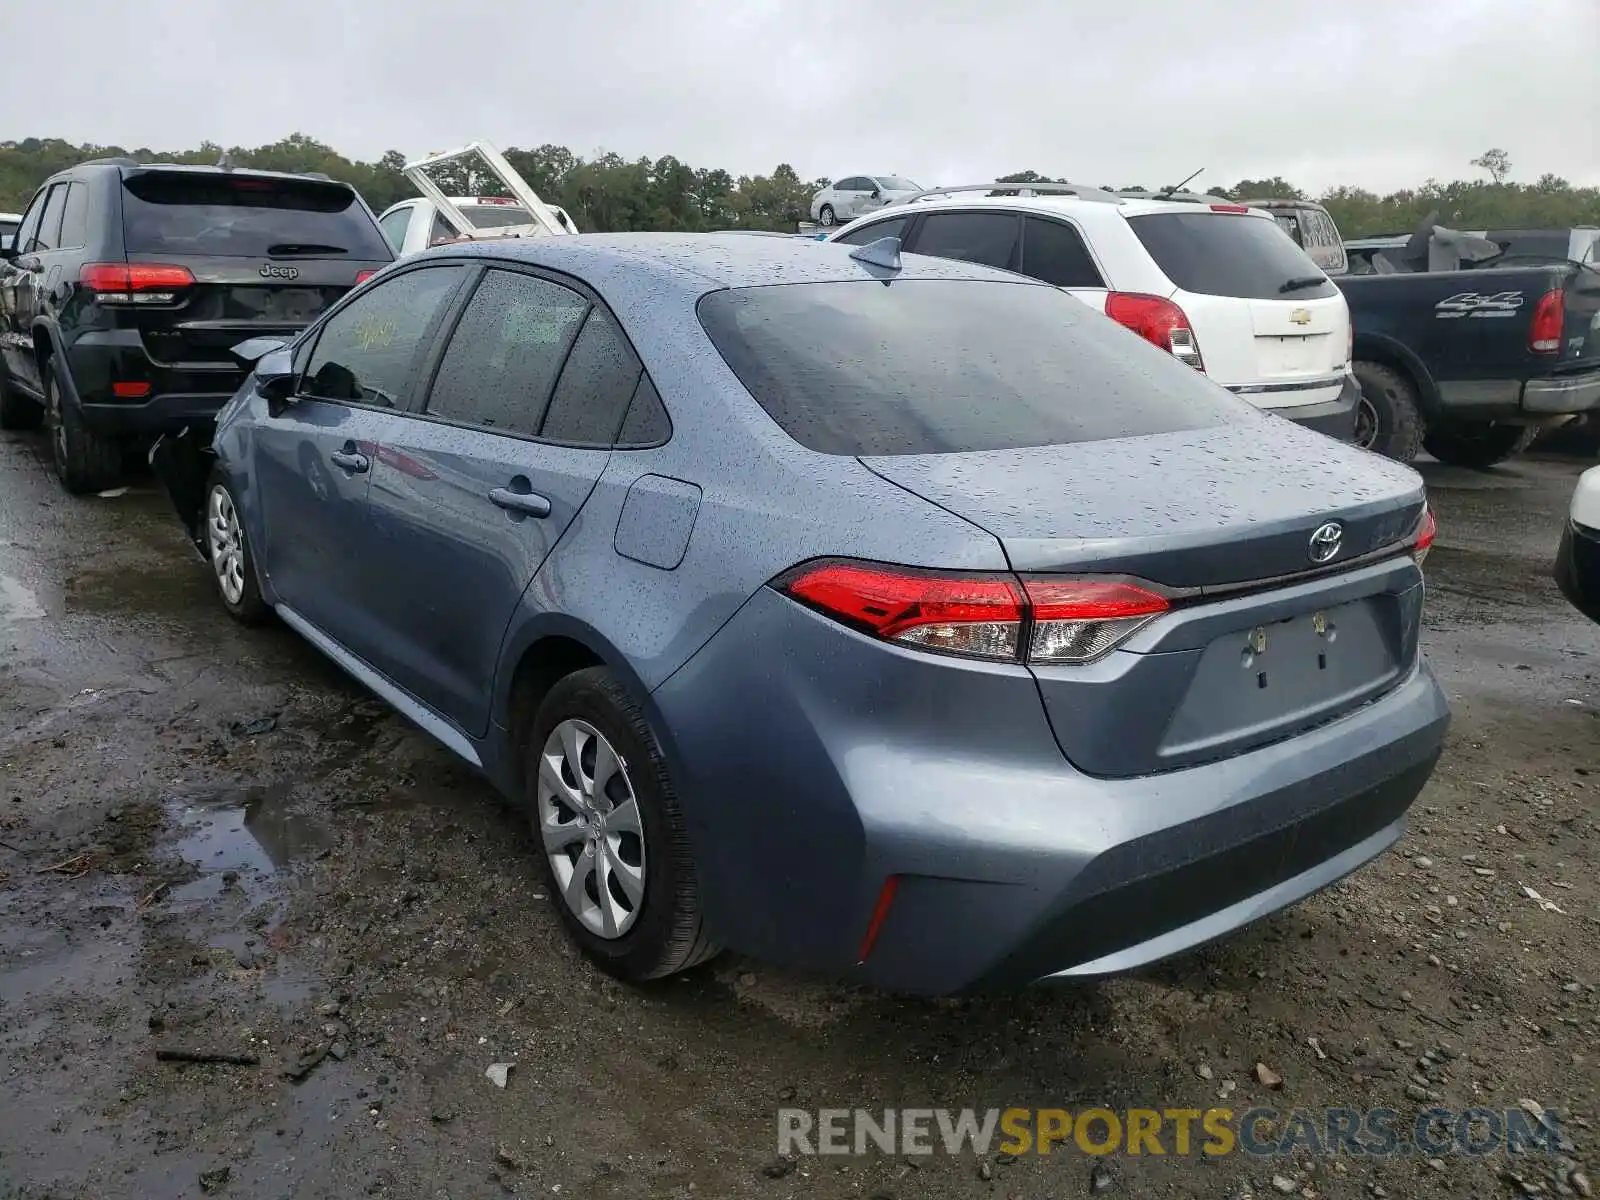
(1376, 93)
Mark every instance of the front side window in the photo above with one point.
(368, 351)
(55, 206)
(506, 353)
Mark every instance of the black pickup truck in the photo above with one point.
(1470, 351)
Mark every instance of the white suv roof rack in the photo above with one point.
(1079, 190)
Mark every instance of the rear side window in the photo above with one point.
(876, 231)
(246, 216)
(647, 423)
(596, 385)
(930, 366)
(75, 218)
(1053, 252)
(506, 352)
(368, 350)
(987, 238)
(1226, 254)
(394, 227)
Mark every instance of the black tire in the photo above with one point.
(248, 608)
(16, 410)
(1389, 417)
(667, 934)
(84, 460)
(1477, 444)
(825, 215)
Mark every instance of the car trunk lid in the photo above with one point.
(1262, 641)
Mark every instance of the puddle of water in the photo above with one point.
(17, 601)
(241, 837)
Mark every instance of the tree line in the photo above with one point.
(608, 192)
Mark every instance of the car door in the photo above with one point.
(26, 282)
(475, 489)
(313, 457)
(14, 333)
(844, 198)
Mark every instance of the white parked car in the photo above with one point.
(414, 225)
(856, 195)
(1220, 286)
(9, 224)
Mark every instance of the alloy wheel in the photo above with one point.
(225, 539)
(589, 822)
(58, 430)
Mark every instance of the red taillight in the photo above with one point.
(1158, 321)
(494, 200)
(1077, 620)
(1230, 208)
(1427, 530)
(128, 390)
(998, 617)
(363, 276)
(134, 283)
(1549, 316)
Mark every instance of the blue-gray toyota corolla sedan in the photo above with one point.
(897, 618)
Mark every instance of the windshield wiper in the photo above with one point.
(1305, 281)
(291, 249)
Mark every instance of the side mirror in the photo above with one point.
(253, 350)
(876, 194)
(275, 374)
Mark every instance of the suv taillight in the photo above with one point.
(1158, 321)
(134, 283)
(1002, 618)
(1549, 315)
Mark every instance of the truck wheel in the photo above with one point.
(85, 461)
(1388, 417)
(16, 410)
(1477, 443)
(825, 217)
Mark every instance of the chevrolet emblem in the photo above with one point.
(1301, 316)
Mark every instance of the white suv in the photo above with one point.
(1219, 285)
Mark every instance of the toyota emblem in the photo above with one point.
(1325, 542)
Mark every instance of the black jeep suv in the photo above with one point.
(126, 287)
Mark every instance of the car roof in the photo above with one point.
(1129, 207)
(246, 172)
(696, 263)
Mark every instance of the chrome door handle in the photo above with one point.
(356, 463)
(528, 503)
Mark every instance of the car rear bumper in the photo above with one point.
(178, 395)
(815, 765)
(1552, 395)
(1336, 417)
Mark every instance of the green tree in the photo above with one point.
(1496, 161)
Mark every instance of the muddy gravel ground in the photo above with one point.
(211, 841)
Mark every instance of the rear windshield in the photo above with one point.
(243, 216)
(932, 366)
(9, 227)
(1227, 254)
(495, 216)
